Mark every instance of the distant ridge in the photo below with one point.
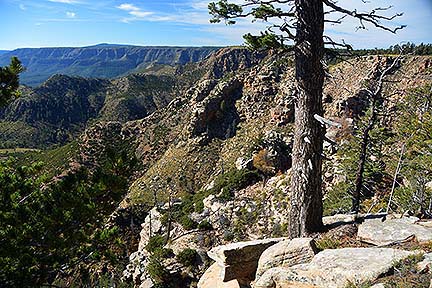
(99, 61)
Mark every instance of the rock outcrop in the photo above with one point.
(334, 268)
(286, 254)
(239, 261)
(212, 279)
(383, 231)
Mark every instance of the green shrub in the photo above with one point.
(187, 222)
(327, 243)
(163, 253)
(155, 242)
(205, 225)
(187, 257)
(157, 271)
(233, 180)
(338, 199)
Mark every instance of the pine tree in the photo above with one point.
(301, 21)
(9, 80)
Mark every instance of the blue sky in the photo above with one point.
(66, 23)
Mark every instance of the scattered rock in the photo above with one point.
(240, 260)
(379, 232)
(426, 264)
(242, 164)
(334, 268)
(147, 283)
(286, 254)
(379, 285)
(212, 279)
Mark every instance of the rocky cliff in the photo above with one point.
(214, 141)
(221, 151)
(101, 61)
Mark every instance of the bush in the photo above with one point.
(263, 163)
(187, 257)
(157, 271)
(233, 180)
(188, 223)
(327, 243)
(205, 225)
(163, 253)
(155, 242)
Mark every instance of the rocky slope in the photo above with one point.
(214, 141)
(101, 61)
(220, 151)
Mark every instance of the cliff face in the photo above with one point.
(100, 61)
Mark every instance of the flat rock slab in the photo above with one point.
(335, 268)
(286, 254)
(240, 260)
(211, 279)
(338, 219)
(378, 232)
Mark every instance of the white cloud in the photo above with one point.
(128, 7)
(22, 7)
(65, 1)
(140, 14)
(70, 14)
(134, 11)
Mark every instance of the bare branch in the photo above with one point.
(372, 17)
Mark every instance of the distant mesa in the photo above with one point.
(99, 61)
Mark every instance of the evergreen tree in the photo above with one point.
(9, 80)
(413, 128)
(301, 21)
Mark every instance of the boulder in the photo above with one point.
(147, 283)
(379, 232)
(426, 264)
(240, 260)
(243, 164)
(286, 254)
(211, 279)
(334, 268)
(153, 219)
(379, 285)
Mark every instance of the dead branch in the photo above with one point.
(371, 17)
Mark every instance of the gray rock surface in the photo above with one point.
(240, 260)
(334, 268)
(426, 264)
(286, 254)
(338, 218)
(378, 232)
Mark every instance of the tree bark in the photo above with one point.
(306, 198)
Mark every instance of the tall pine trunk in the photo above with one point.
(306, 198)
